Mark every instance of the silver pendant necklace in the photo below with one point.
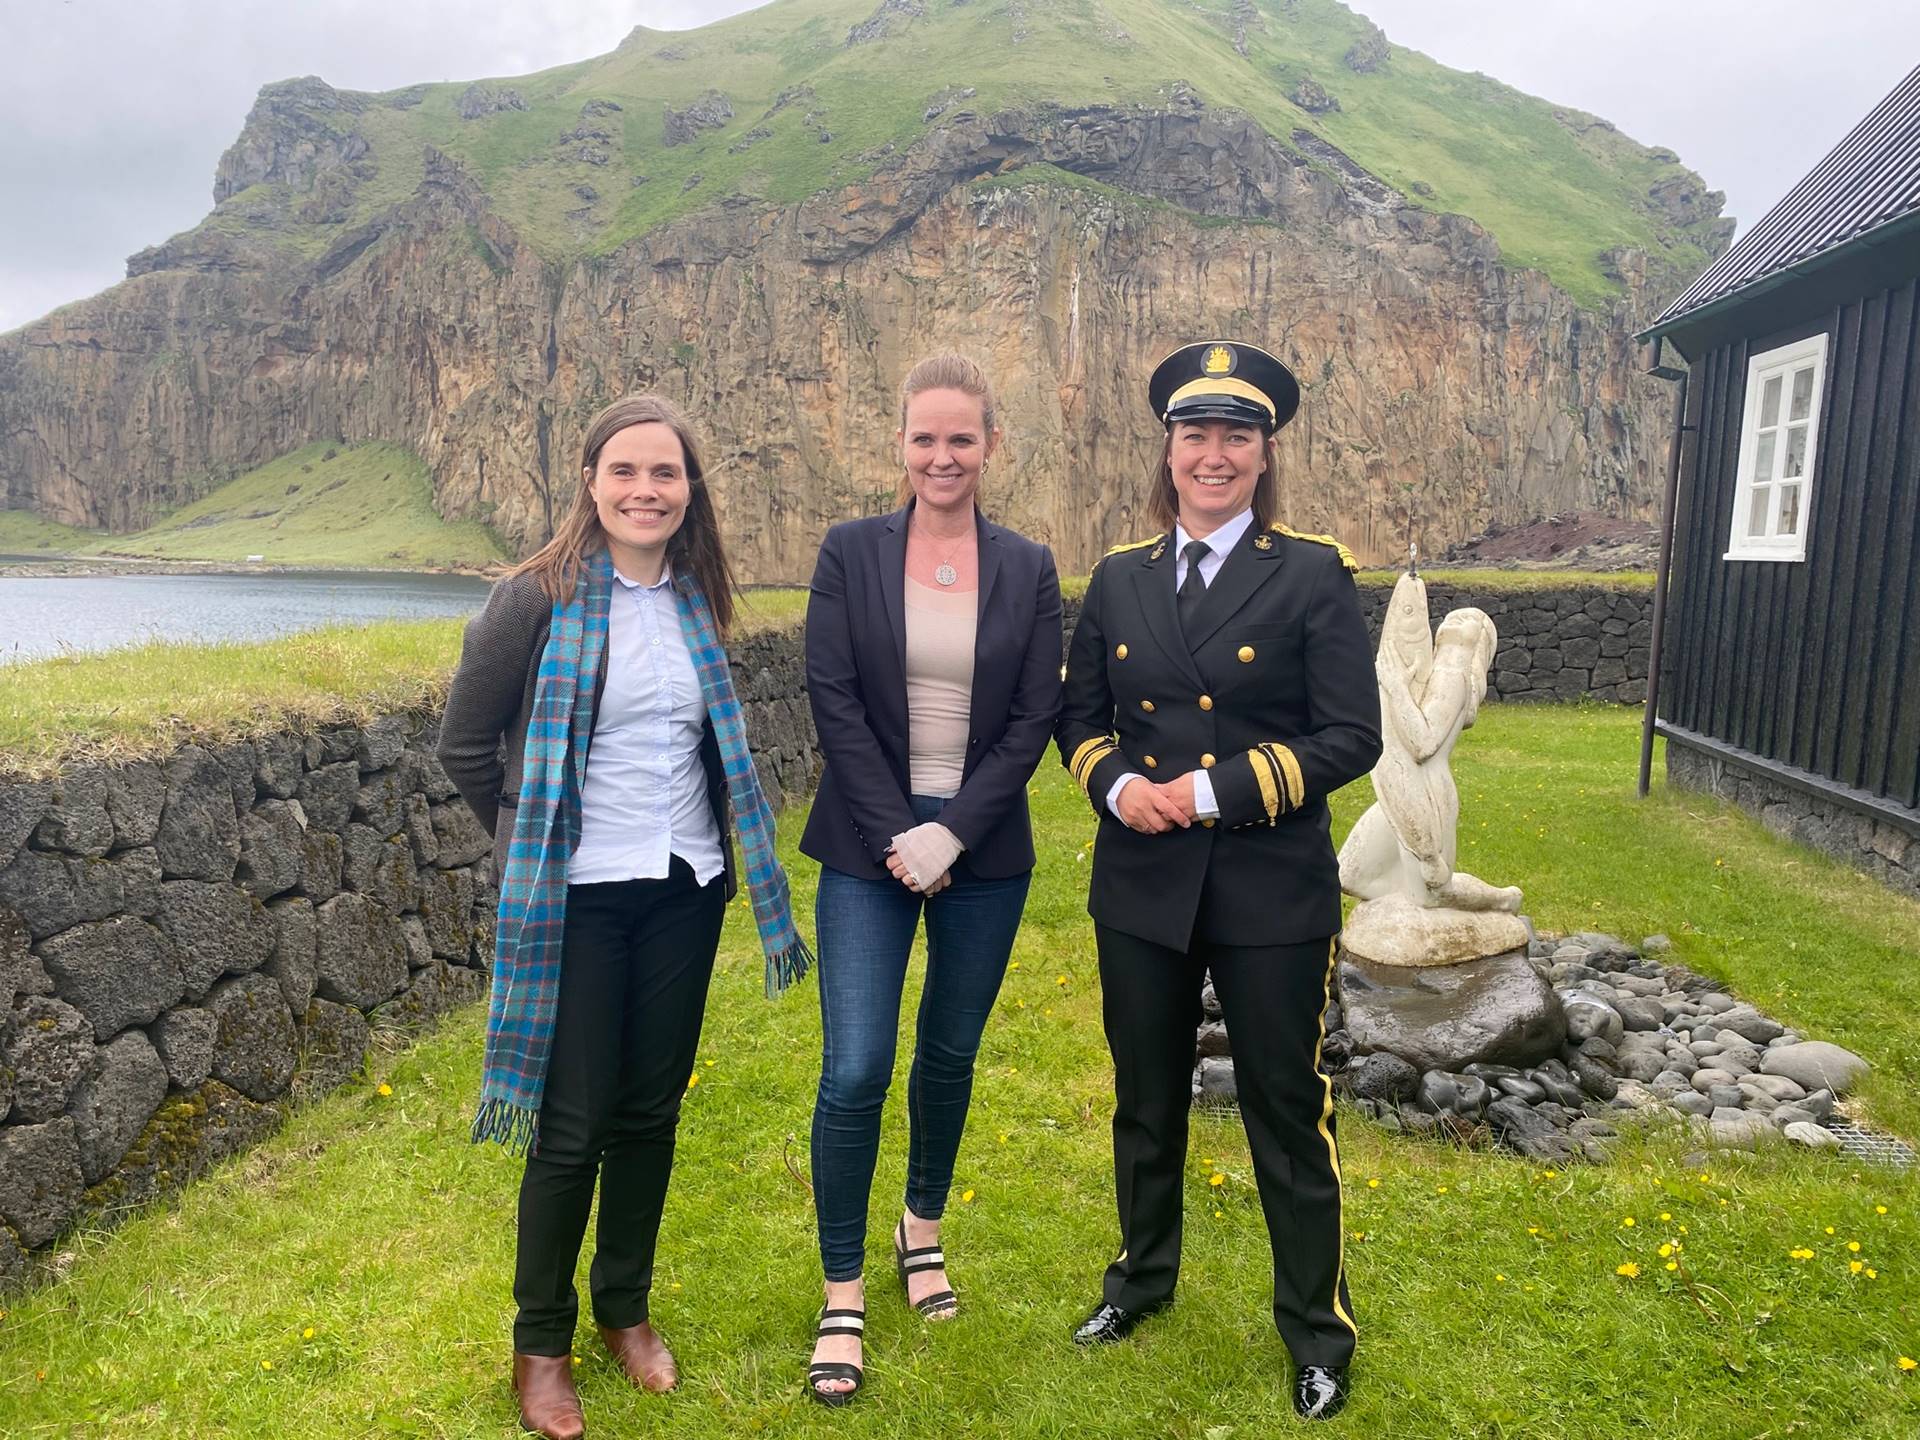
(944, 572)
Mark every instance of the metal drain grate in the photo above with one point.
(1871, 1145)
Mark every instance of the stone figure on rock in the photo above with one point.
(1418, 909)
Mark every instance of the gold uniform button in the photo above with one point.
(1246, 654)
(1147, 705)
(1119, 652)
(1207, 823)
(1206, 702)
(1206, 762)
(1152, 764)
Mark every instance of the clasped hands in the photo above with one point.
(1155, 809)
(922, 858)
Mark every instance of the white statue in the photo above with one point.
(1418, 909)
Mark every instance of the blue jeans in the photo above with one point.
(865, 929)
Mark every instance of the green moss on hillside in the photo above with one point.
(812, 111)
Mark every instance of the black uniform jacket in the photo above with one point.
(857, 687)
(1276, 699)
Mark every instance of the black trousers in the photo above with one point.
(1274, 998)
(637, 957)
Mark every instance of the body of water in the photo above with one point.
(50, 615)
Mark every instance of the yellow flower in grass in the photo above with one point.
(966, 1197)
(1664, 1216)
(383, 1088)
(1872, 1274)
(1533, 1229)
(1800, 1252)
(1879, 1209)
(1629, 1222)
(1630, 1270)
(266, 1364)
(1854, 1267)
(1059, 979)
(1216, 1179)
(1439, 1189)
(1853, 1247)
(1673, 1264)
(307, 1334)
(1499, 1279)
(1665, 1251)
(1907, 1362)
(1373, 1184)
(1829, 1229)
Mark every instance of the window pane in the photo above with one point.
(1789, 510)
(1763, 457)
(1757, 514)
(1770, 401)
(1802, 394)
(1796, 465)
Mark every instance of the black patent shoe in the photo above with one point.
(1110, 1322)
(1319, 1391)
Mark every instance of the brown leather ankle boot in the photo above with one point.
(643, 1355)
(549, 1405)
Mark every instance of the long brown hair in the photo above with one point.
(1163, 501)
(695, 547)
(948, 370)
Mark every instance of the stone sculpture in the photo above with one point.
(1417, 908)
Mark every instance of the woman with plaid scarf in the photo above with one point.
(593, 728)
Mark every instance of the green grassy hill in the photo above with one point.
(579, 161)
(332, 506)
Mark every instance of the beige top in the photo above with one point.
(940, 636)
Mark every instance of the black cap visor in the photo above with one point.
(1221, 407)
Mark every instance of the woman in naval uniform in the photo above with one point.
(1220, 685)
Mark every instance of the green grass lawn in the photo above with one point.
(351, 1276)
(326, 505)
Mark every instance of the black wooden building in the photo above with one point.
(1789, 678)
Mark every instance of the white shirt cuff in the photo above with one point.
(1113, 795)
(1205, 807)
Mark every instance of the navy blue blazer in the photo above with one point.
(857, 687)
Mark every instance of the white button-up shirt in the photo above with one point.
(645, 796)
(1219, 543)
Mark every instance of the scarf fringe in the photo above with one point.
(513, 1127)
(788, 966)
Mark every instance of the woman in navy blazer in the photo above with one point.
(933, 670)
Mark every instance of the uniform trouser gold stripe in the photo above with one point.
(1333, 1149)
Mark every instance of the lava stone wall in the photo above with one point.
(1555, 644)
(188, 946)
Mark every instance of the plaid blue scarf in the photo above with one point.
(546, 830)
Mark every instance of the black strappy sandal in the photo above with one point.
(837, 1322)
(942, 1304)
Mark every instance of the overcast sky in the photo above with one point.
(114, 112)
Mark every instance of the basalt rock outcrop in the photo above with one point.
(1068, 247)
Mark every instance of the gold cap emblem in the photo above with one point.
(1220, 361)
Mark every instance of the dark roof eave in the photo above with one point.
(1671, 326)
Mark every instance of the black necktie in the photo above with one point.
(1195, 585)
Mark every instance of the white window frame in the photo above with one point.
(1782, 361)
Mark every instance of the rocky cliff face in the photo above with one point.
(1068, 248)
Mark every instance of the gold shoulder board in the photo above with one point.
(1133, 545)
(1346, 555)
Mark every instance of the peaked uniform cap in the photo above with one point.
(1224, 380)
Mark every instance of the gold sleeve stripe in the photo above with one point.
(1080, 753)
(1346, 555)
(1132, 545)
(1296, 783)
(1090, 754)
(1269, 779)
